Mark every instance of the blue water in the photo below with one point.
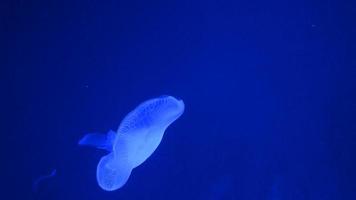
(268, 86)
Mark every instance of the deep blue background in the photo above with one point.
(269, 88)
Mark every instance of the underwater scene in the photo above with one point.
(178, 99)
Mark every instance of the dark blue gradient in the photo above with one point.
(270, 87)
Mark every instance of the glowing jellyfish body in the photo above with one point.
(138, 136)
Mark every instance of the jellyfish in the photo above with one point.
(137, 137)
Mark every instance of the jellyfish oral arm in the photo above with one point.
(98, 140)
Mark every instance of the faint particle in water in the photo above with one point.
(137, 137)
(275, 190)
(37, 182)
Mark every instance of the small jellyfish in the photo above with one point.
(137, 137)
